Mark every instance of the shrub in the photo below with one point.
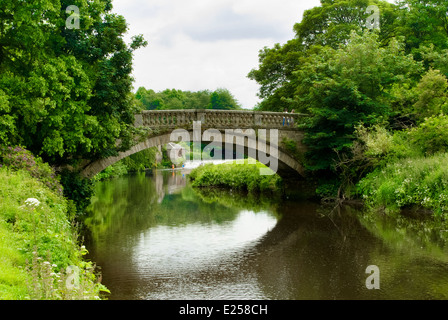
(421, 182)
(235, 176)
(431, 136)
(79, 190)
(38, 242)
(17, 158)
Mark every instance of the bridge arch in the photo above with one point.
(287, 165)
(167, 121)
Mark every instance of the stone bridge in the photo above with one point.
(252, 132)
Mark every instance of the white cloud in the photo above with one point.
(198, 44)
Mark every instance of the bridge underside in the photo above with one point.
(282, 161)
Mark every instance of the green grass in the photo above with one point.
(38, 244)
(235, 176)
(413, 182)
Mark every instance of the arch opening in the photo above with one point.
(255, 146)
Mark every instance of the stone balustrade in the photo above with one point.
(219, 119)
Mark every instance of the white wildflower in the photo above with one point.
(31, 203)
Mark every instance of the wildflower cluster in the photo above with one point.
(48, 282)
(413, 182)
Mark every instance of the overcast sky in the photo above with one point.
(207, 44)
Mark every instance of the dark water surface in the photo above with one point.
(155, 237)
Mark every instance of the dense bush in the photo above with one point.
(17, 158)
(431, 136)
(421, 181)
(79, 190)
(38, 243)
(235, 176)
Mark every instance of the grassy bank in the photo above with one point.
(235, 176)
(412, 182)
(39, 242)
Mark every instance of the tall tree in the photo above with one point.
(275, 74)
(66, 90)
(222, 99)
(424, 23)
(341, 88)
(327, 25)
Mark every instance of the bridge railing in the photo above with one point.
(219, 119)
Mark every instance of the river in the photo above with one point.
(155, 237)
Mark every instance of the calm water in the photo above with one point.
(155, 237)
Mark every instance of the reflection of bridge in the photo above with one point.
(161, 123)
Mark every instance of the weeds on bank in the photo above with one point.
(73, 283)
(235, 176)
(421, 181)
(38, 243)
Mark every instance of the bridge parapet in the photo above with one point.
(219, 119)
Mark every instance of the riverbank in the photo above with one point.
(41, 257)
(420, 182)
(235, 176)
(156, 237)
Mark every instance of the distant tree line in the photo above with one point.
(172, 99)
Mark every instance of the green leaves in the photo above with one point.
(344, 87)
(176, 99)
(222, 99)
(66, 93)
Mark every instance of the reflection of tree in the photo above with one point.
(424, 243)
(242, 200)
(128, 205)
(311, 258)
(315, 253)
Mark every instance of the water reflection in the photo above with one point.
(151, 233)
(157, 238)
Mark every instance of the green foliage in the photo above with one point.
(409, 182)
(344, 87)
(177, 99)
(79, 190)
(424, 22)
(17, 158)
(343, 75)
(140, 161)
(38, 237)
(380, 146)
(431, 136)
(291, 146)
(434, 57)
(275, 75)
(116, 170)
(235, 176)
(328, 188)
(332, 23)
(65, 94)
(432, 95)
(136, 162)
(329, 25)
(222, 99)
